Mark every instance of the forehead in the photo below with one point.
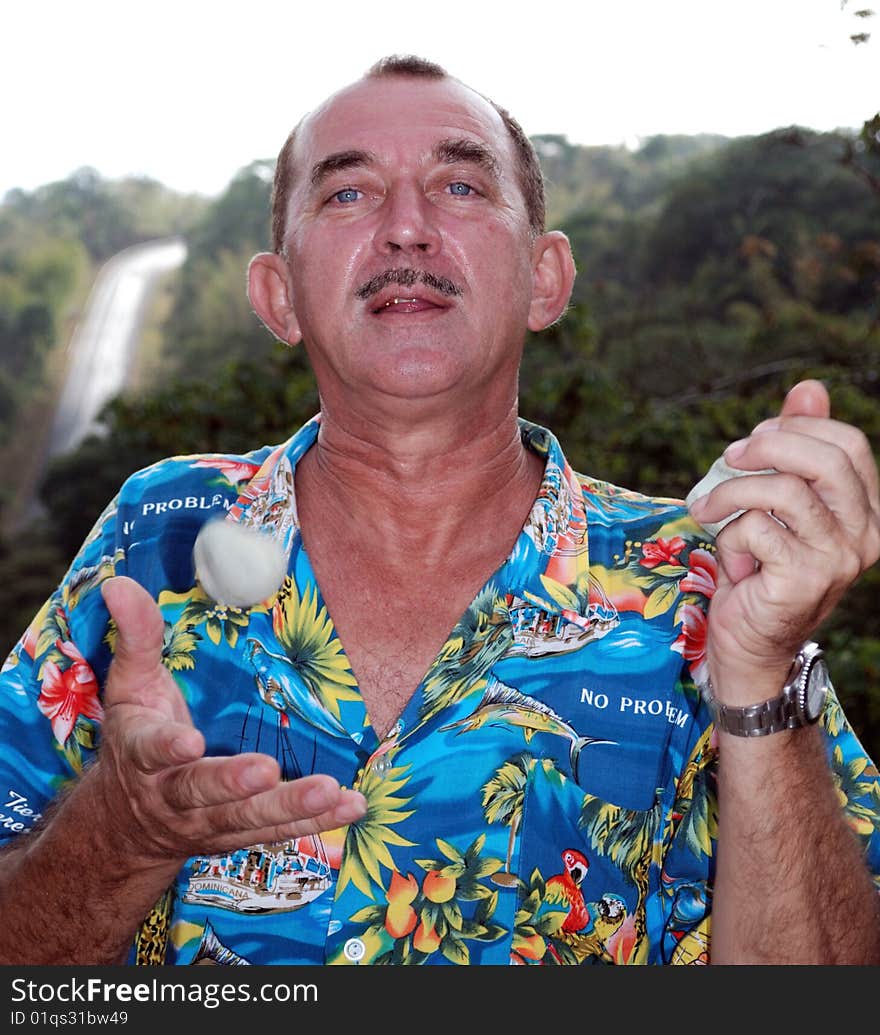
(400, 117)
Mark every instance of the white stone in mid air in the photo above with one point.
(237, 565)
(719, 472)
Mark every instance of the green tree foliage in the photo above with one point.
(783, 187)
(211, 316)
(104, 216)
(31, 565)
(79, 208)
(39, 275)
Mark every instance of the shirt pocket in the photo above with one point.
(584, 863)
(597, 757)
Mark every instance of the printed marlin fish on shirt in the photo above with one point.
(213, 952)
(283, 688)
(502, 705)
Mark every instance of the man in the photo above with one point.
(467, 728)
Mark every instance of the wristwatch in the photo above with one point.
(800, 703)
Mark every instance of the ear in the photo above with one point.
(552, 279)
(269, 294)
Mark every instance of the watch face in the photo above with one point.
(815, 690)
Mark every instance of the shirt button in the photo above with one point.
(354, 950)
(381, 765)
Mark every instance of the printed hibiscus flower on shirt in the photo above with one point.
(662, 551)
(676, 571)
(235, 471)
(68, 693)
(691, 642)
(702, 580)
(702, 576)
(656, 566)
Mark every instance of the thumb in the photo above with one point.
(140, 629)
(162, 733)
(807, 398)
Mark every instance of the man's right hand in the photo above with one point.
(167, 801)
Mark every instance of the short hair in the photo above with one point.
(528, 166)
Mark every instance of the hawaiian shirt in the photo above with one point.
(547, 795)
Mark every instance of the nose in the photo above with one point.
(407, 224)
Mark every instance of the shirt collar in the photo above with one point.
(268, 501)
(549, 565)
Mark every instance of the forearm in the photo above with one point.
(791, 885)
(73, 891)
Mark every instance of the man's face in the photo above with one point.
(408, 245)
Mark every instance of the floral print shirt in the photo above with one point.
(547, 795)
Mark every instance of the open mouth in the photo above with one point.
(399, 304)
(404, 290)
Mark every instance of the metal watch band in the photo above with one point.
(755, 720)
(787, 711)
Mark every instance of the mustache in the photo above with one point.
(407, 277)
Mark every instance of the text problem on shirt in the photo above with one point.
(636, 706)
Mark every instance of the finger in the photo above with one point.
(808, 398)
(219, 781)
(309, 803)
(140, 631)
(787, 497)
(153, 746)
(736, 564)
(797, 585)
(850, 440)
(800, 541)
(350, 808)
(819, 461)
(137, 677)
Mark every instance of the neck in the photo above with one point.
(424, 484)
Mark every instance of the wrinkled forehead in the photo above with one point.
(399, 117)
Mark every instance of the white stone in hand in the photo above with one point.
(719, 472)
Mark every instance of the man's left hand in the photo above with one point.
(807, 534)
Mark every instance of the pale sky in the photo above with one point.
(189, 91)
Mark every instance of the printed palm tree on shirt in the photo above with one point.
(220, 624)
(858, 792)
(367, 840)
(480, 638)
(503, 800)
(313, 651)
(854, 777)
(696, 803)
(625, 837)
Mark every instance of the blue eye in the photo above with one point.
(347, 195)
(461, 190)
